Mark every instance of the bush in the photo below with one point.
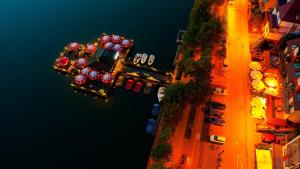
(162, 151)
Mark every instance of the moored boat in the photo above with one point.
(151, 60)
(144, 58)
(161, 93)
(137, 58)
(150, 126)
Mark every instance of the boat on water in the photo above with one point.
(144, 58)
(155, 109)
(137, 58)
(161, 93)
(151, 60)
(150, 126)
(180, 36)
(147, 88)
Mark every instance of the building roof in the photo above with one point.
(289, 11)
(292, 42)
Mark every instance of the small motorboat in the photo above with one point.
(150, 126)
(144, 58)
(138, 87)
(155, 109)
(137, 58)
(161, 93)
(147, 88)
(151, 60)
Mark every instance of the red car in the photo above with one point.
(137, 87)
(129, 84)
(268, 138)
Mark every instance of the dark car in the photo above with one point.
(215, 120)
(257, 58)
(215, 105)
(213, 112)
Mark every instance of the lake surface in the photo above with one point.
(43, 123)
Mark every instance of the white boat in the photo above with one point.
(144, 58)
(151, 60)
(137, 58)
(161, 93)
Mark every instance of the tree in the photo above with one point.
(158, 166)
(173, 102)
(165, 134)
(199, 87)
(162, 151)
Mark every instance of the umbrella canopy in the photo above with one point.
(271, 81)
(81, 63)
(93, 75)
(255, 66)
(85, 71)
(90, 48)
(105, 39)
(117, 47)
(126, 43)
(80, 80)
(258, 85)
(62, 61)
(256, 75)
(116, 39)
(271, 91)
(109, 46)
(107, 78)
(73, 46)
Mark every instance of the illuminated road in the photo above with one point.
(239, 129)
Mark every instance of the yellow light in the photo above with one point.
(271, 81)
(263, 159)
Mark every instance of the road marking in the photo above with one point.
(241, 161)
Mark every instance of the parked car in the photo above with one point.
(225, 65)
(257, 58)
(268, 138)
(216, 105)
(138, 87)
(231, 2)
(221, 51)
(129, 84)
(215, 120)
(220, 90)
(213, 112)
(217, 139)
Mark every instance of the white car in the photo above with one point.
(220, 90)
(225, 65)
(217, 139)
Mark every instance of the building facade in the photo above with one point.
(282, 20)
(291, 154)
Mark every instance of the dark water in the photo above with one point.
(43, 123)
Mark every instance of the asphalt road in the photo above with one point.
(239, 130)
(240, 127)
